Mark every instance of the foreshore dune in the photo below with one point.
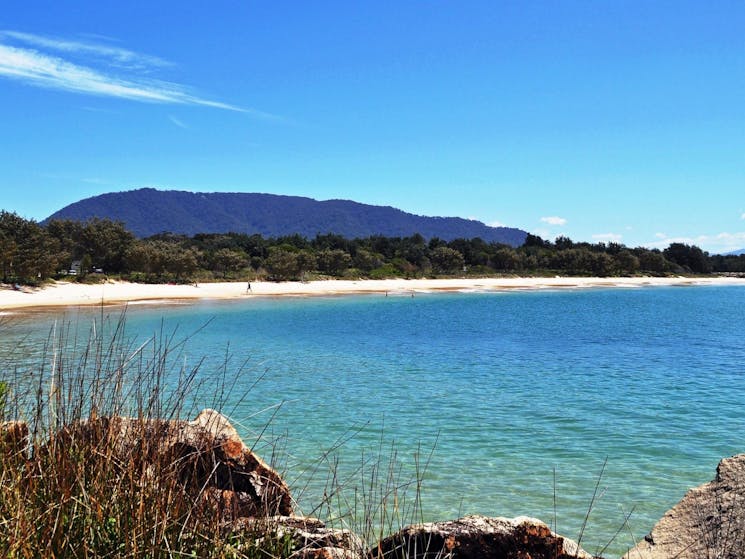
(65, 294)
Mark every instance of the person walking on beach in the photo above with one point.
(248, 288)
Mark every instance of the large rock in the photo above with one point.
(311, 538)
(709, 522)
(206, 454)
(478, 537)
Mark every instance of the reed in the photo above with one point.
(65, 492)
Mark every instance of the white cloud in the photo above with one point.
(715, 244)
(32, 67)
(608, 237)
(542, 233)
(742, 216)
(494, 223)
(554, 220)
(660, 235)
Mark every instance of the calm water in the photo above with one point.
(516, 396)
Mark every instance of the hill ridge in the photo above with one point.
(149, 211)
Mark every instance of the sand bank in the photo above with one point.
(62, 294)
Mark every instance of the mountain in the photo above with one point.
(735, 252)
(147, 211)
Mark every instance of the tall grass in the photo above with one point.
(70, 488)
(379, 497)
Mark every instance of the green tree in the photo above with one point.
(86, 263)
(387, 246)
(282, 264)
(534, 241)
(626, 262)
(107, 243)
(601, 264)
(333, 261)
(367, 261)
(563, 243)
(183, 262)
(652, 261)
(475, 251)
(68, 234)
(148, 257)
(27, 253)
(506, 259)
(689, 257)
(413, 249)
(331, 241)
(226, 261)
(306, 262)
(446, 260)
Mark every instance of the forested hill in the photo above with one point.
(147, 212)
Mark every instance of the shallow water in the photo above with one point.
(518, 396)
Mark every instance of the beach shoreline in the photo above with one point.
(66, 294)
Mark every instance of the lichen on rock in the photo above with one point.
(478, 537)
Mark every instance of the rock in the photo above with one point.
(207, 455)
(478, 537)
(709, 522)
(310, 536)
(326, 553)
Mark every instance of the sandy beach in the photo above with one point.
(63, 294)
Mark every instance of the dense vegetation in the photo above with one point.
(147, 212)
(31, 253)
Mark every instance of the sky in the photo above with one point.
(602, 121)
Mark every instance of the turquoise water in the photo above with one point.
(517, 396)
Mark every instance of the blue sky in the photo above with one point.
(600, 120)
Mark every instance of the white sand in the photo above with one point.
(63, 294)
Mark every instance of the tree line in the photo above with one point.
(31, 253)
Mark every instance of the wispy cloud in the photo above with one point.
(42, 69)
(608, 237)
(117, 56)
(178, 122)
(96, 109)
(742, 216)
(496, 224)
(38, 69)
(554, 220)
